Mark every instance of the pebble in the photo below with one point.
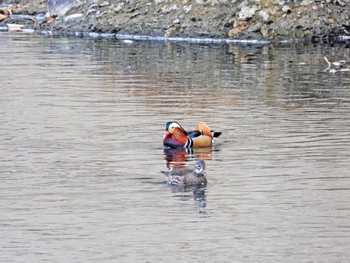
(247, 12)
(264, 15)
(119, 7)
(187, 8)
(286, 9)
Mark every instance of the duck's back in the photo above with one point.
(192, 179)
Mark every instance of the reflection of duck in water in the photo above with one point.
(178, 157)
(175, 136)
(194, 192)
(187, 176)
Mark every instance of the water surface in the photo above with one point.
(81, 128)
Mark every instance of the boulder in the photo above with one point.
(62, 7)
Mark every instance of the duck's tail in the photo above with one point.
(201, 126)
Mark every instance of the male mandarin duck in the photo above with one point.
(186, 176)
(175, 136)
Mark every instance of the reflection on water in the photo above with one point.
(178, 157)
(187, 193)
(81, 152)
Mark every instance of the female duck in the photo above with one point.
(186, 176)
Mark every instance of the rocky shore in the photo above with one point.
(272, 20)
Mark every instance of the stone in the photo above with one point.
(62, 7)
(170, 9)
(263, 15)
(119, 7)
(202, 2)
(238, 26)
(247, 12)
(306, 2)
(264, 30)
(105, 3)
(74, 18)
(187, 8)
(286, 9)
(91, 11)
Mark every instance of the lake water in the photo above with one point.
(81, 152)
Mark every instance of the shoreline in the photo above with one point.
(197, 21)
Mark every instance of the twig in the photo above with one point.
(329, 64)
(345, 69)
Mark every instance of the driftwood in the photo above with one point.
(5, 12)
(337, 66)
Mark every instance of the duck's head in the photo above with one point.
(171, 125)
(199, 168)
(175, 135)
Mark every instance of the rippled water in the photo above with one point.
(81, 128)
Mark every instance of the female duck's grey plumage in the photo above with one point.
(186, 176)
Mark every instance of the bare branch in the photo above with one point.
(332, 69)
(329, 64)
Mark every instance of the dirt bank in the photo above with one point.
(311, 20)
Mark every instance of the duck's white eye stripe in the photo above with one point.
(174, 125)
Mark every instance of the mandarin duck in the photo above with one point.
(187, 176)
(175, 136)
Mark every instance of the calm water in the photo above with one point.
(81, 128)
